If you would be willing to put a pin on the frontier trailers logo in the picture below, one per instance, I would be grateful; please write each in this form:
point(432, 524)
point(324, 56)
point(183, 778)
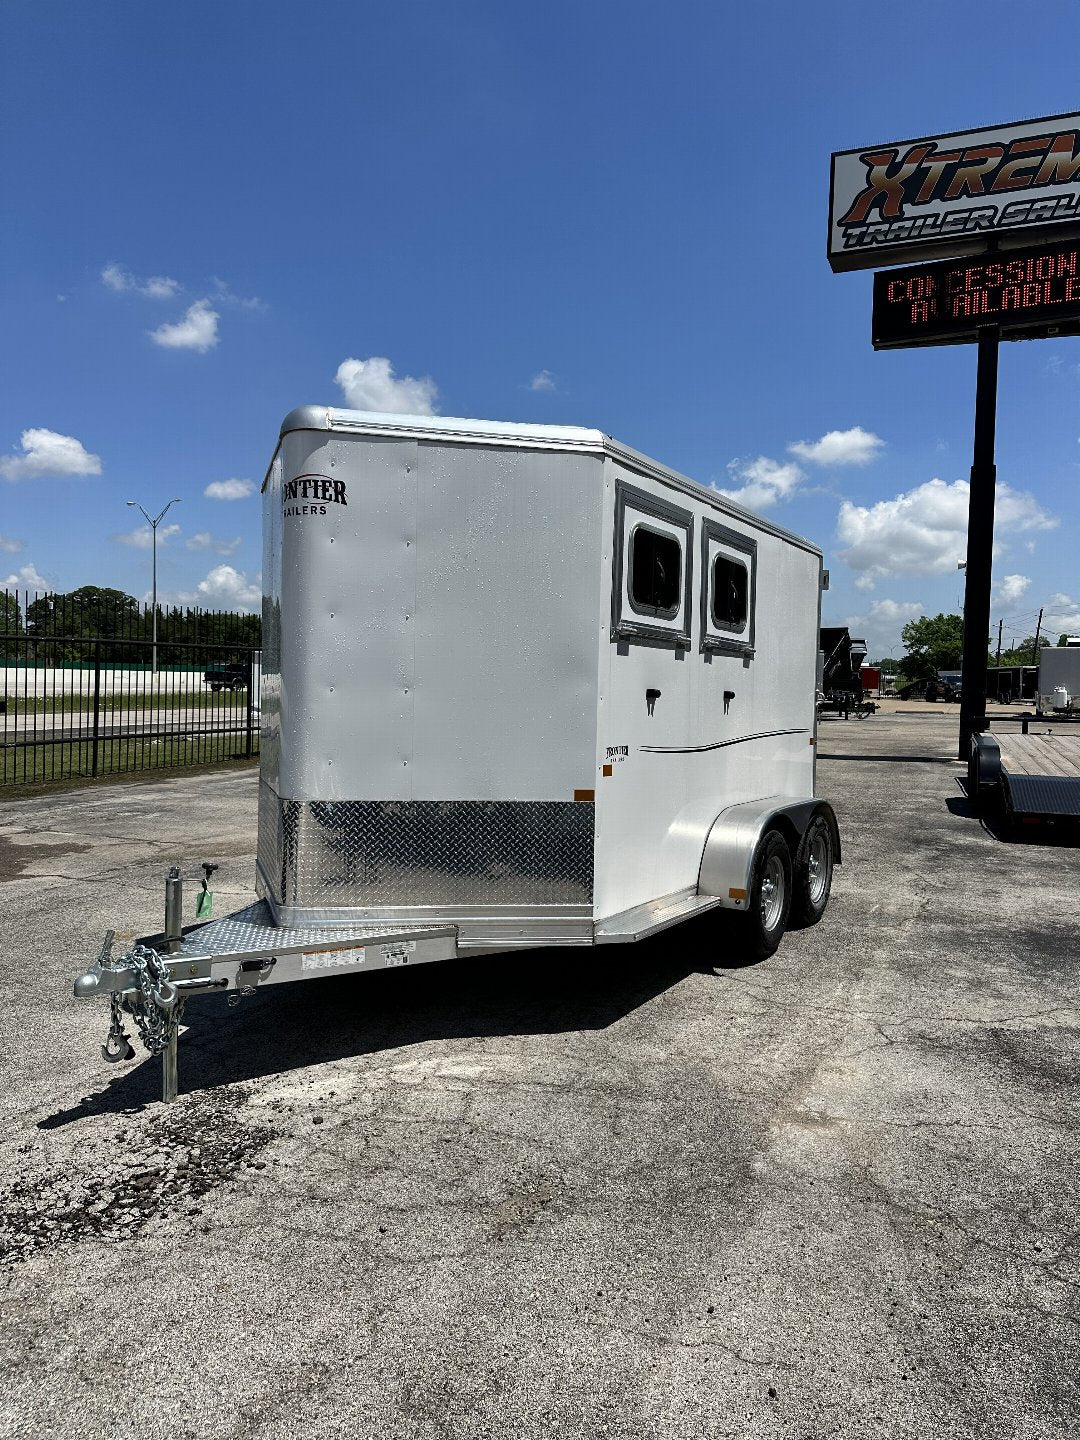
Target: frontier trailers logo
point(949, 195)
point(310, 494)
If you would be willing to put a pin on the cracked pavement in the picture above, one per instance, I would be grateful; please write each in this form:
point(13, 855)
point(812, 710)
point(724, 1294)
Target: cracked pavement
point(634, 1192)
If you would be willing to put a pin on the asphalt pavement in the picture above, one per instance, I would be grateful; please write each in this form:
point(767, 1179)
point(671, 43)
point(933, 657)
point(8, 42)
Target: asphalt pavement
point(639, 1192)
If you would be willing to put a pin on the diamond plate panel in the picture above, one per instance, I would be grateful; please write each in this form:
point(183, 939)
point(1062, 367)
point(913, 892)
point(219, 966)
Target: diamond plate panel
point(1045, 794)
point(432, 853)
point(269, 853)
point(252, 931)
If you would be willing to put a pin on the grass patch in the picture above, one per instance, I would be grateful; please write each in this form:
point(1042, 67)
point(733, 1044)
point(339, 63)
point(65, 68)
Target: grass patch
point(78, 702)
point(62, 760)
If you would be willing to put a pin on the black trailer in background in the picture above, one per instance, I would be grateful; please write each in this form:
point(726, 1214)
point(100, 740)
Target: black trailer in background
point(841, 657)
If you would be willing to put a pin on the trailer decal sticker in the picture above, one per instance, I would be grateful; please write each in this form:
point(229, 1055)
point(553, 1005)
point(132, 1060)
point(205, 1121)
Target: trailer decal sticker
point(332, 959)
point(616, 754)
point(718, 744)
point(312, 486)
point(398, 953)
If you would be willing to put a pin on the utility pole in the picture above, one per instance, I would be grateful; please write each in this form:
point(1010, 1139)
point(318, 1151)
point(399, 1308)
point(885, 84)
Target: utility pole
point(153, 545)
point(980, 545)
point(1035, 647)
point(997, 657)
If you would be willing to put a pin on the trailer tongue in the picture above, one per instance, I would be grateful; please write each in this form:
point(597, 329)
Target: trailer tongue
point(240, 953)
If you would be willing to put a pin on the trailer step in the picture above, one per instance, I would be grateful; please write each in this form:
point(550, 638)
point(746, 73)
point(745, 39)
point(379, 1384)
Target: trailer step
point(645, 920)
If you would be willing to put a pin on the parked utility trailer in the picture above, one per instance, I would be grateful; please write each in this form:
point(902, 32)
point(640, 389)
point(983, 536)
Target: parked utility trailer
point(521, 687)
point(1026, 777)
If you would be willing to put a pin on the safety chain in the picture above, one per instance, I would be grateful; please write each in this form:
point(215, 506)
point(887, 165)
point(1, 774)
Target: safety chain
point(156, 1010)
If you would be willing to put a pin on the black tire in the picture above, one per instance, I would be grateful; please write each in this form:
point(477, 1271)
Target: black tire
point(762, 924)
point(813, 873)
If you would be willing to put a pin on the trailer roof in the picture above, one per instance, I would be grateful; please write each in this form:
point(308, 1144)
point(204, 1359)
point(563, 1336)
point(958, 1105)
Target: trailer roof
point(575, 438)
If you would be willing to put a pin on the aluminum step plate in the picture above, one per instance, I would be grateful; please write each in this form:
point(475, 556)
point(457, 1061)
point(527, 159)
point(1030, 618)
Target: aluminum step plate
point(251, 932)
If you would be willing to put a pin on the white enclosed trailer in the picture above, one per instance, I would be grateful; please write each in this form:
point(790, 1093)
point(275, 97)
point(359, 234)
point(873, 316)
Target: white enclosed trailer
point(521, 686)
point(1058, 688)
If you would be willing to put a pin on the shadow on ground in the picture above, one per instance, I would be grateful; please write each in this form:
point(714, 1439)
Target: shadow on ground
point(288, 1027)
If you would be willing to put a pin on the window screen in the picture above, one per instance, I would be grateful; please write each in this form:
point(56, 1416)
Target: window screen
point(655, 572)
point(729, 593)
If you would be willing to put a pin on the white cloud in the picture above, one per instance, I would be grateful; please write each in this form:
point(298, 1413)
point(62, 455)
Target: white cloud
point(840, 447)
point(372, 385)
point(1061, 614)
point(542, 380)
point(865, 582)
point(156, 287)
point(1011, 588)
point(47, 453)
point(924, 531)
point(196, 331)
point(10, 546)
point(205, 541)
point(224, 293)
point(25, 578)
point(880, 626)
point(764, 482)
point(230, 489)
point(225, 589)
point(142, 538)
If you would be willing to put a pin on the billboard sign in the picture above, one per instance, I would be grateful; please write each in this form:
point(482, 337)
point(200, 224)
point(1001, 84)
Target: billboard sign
point(1027, 294)
point(950, 194)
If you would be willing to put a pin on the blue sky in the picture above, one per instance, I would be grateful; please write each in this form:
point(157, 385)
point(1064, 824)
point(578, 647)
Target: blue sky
point(584, 213)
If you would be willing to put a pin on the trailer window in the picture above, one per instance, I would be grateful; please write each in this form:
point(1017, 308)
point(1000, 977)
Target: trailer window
point(655, 572)
point(730, 593)
point(729, 562)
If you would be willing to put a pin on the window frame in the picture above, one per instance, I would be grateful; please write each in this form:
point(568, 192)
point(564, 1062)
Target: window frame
point(629, 622)
point(717, 638)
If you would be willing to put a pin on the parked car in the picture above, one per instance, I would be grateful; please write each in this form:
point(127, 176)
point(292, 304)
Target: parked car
point(941, 690)
point(235, 675)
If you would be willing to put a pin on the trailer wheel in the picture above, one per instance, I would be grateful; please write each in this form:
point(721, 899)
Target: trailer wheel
point(763, 922)
point(813, 873)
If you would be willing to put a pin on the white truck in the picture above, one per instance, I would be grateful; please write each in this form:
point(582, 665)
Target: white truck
point(521, 687)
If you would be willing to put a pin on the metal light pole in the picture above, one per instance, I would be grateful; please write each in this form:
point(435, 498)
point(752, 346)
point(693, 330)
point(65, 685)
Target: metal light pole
point(153, 544)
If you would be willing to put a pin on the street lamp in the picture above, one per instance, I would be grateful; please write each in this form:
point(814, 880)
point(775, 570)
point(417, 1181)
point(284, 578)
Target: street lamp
point(153, 543)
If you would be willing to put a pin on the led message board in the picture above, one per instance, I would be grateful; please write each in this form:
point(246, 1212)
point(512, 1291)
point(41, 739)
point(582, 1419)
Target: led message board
point(949, 194)
point(1028, 294)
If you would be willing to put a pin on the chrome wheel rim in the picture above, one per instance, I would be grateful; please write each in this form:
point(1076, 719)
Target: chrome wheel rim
point(772, 893)
point(817, 866)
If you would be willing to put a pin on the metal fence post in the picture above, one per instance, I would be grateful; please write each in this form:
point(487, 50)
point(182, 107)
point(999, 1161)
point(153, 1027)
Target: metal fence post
point(97, 706)
point(247, 706)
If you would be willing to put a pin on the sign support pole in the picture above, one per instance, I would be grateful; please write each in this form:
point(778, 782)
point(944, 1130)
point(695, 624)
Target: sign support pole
point(980, 545)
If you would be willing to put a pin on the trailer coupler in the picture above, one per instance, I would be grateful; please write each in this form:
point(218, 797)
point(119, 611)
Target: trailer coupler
point(138, 986)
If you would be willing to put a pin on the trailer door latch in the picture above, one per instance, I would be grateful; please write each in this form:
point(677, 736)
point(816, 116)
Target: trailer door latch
point(651, 697)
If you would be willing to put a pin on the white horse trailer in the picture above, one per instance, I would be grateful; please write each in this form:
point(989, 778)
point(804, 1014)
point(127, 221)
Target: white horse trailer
point(521, 687)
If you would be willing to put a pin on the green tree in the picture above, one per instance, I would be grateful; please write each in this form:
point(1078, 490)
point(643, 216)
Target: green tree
point(11, 625)
point(933, 643)
point(77, 618)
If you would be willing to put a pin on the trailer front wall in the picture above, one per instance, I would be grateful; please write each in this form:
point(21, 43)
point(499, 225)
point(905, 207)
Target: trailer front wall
point(438, 680)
